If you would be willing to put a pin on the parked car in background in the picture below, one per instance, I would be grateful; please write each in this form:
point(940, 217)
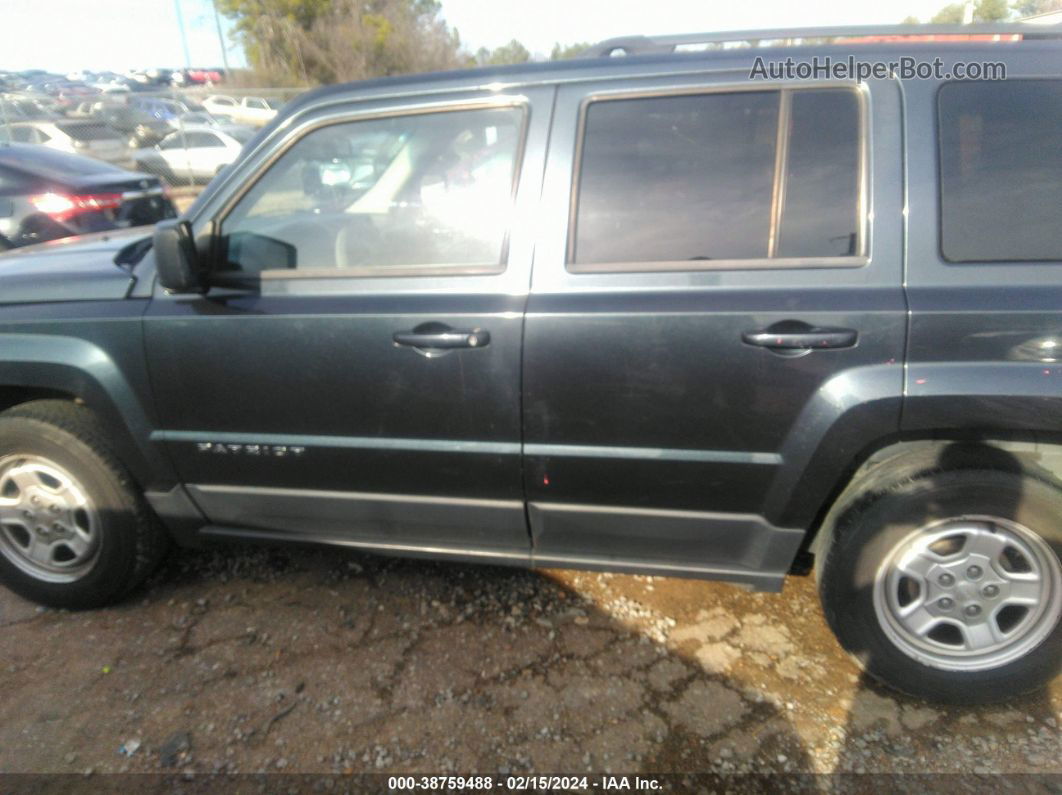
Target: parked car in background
point(201, 118)
point(69, 95)
point(256, 111)
point(17, 107)
point(152, 78)
point(79, 137)
point(198, 152)
point(83, 110)
point(46, 195)
point(161, 109)
point(197, 77)
point(140, 128)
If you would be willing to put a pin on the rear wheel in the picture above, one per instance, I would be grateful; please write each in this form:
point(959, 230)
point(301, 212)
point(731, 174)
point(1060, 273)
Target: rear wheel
point(949, 587)
point(74, 532)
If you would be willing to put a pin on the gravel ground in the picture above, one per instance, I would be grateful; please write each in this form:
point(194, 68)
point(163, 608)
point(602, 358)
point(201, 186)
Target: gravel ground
point(326, 661)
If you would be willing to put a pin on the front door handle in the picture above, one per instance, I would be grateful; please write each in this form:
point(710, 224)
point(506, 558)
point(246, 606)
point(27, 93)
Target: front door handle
point(442, 339)
point(798, 336)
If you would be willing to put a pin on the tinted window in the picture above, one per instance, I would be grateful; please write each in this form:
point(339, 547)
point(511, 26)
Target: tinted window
point(1001, 170)
point(820, 203)
point(693, 178)
point(677, 178)
point(418, 190)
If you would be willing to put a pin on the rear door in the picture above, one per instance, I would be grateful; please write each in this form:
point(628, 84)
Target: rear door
point(714, 227)
point(359, 381)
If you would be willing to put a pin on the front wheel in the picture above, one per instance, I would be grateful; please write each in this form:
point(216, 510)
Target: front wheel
point(74, 532)
point(949, 587)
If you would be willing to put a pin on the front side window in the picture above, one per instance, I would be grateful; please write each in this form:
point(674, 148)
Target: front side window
point(1000, 170)
point(688, 179)
point(430, 190)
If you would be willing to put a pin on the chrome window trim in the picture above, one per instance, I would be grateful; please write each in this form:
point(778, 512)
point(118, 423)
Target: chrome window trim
point(860, 259)
point(298, 132)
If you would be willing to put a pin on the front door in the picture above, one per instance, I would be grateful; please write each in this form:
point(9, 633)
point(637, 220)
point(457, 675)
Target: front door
point(358, 379)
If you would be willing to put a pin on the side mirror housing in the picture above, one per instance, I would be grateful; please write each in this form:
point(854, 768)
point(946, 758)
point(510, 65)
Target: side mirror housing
point(176, 258)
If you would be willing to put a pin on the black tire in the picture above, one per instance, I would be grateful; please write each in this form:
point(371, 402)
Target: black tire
point(131, 541)
point(864, 538)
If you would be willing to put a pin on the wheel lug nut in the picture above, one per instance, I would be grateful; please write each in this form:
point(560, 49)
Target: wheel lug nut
point(35, 500)
point(972, 610)
point(990, 591)
point(945, 603)
point(974, 572)
point(53, 508)
point(946, 580)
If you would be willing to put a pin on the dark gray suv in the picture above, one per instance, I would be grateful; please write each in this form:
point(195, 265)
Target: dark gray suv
point(646, 313)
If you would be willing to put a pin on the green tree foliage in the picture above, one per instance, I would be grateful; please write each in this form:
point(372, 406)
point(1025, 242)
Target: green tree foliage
point(983, 11)
point(513, 52)
point(949, 15)
point(991, 11)
point(1030, 8)
point(327, 41)
point(561, 51)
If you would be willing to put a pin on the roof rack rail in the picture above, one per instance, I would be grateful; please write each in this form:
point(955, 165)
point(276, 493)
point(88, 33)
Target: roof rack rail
point(647, 45)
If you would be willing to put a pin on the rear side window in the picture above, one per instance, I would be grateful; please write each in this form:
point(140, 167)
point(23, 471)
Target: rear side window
point(675, 182)
point(1000, 170)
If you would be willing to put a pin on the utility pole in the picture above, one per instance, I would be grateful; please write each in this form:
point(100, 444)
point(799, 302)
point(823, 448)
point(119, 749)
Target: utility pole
point(221, 38)
point(184, 36)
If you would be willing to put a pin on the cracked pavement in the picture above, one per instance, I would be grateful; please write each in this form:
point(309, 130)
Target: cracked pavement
point(328, 661)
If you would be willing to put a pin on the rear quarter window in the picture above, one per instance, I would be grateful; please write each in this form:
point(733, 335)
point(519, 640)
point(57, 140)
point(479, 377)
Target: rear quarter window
point(1000, 170)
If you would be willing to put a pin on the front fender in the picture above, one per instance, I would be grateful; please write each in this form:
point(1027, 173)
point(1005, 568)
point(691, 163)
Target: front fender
point(84, 370)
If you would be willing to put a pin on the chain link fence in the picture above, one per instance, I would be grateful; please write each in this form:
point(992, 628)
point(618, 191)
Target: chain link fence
point(185, 136)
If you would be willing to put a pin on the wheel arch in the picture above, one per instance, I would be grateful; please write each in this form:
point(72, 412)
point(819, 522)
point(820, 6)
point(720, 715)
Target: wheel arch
point(45, 366)
point(897, 459)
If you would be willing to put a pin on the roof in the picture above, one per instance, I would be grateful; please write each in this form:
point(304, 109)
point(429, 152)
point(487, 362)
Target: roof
point(711, 48)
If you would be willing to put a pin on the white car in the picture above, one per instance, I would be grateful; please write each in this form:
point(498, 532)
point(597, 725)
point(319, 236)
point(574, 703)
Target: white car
point(89, 138)
point(197, 152)
point(246, 110)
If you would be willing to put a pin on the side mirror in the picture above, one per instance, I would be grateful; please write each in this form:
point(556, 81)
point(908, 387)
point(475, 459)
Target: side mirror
point(176, 258)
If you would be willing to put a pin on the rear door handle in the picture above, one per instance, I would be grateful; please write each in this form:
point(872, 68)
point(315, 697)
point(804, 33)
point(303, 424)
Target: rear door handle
point(807, 338)
point(443, 340)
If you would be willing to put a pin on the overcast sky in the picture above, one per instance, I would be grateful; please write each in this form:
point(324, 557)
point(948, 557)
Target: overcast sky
point(63, 35)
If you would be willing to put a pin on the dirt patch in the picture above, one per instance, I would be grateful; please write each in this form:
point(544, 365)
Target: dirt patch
point(257, 660)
